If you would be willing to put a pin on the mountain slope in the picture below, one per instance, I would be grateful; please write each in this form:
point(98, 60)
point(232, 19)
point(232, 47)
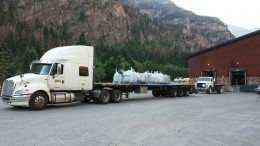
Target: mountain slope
point(208, 31)
point(110, 26)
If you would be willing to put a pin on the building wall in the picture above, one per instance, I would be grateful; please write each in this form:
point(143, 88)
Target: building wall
point(244, 53)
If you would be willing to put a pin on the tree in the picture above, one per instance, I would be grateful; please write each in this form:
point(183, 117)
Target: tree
point(99, 72)
point(29, 56)
point(114, 63)
point(82, 40)
point(5, 64)
point(82, 16)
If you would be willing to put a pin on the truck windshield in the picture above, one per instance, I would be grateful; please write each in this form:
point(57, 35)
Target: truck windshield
point(40, 69)
point(204, 79)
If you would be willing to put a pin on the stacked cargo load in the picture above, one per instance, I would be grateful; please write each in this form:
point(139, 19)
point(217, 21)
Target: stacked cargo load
point(130, 76)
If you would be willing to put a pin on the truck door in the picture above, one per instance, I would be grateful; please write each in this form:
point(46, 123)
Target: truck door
point(56, 78)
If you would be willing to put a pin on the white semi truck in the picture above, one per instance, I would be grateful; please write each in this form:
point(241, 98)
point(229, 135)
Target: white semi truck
point(65, 74)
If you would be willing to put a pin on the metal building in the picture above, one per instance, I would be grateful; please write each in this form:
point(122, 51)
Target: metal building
point(235, 63)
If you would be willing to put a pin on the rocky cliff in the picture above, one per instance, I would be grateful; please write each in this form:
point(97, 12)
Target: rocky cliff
point(200, 31)
point(139, 29)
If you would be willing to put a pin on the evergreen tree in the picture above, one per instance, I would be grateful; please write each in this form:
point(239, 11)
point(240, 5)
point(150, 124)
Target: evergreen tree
point(5, 64)
point(29, 56)
point(82, 39)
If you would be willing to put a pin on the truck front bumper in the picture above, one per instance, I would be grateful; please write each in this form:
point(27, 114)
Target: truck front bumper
point(201, 89)
point(21, 100)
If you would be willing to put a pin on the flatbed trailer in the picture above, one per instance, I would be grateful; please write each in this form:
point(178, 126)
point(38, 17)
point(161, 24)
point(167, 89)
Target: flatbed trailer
point(112, 92)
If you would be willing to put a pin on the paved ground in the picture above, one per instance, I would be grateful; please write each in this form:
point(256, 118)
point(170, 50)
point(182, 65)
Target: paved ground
point(226, 119)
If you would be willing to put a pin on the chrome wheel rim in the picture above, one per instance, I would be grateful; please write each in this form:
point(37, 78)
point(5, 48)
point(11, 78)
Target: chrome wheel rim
point(39, 101)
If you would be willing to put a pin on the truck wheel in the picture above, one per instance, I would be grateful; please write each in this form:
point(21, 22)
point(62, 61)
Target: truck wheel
point(191, 91)
point(116, 96)
point(186, 93)
point(172, 93)
point(104, 97)
point(38, 101)
point(180, 93)
point(209, 91)
point(156, 93)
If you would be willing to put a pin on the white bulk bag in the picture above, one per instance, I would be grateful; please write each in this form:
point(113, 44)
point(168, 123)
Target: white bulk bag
point(117, 78)
point(130, 76)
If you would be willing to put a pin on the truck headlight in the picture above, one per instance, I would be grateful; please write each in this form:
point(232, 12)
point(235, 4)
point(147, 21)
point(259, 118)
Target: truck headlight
point(22, 91)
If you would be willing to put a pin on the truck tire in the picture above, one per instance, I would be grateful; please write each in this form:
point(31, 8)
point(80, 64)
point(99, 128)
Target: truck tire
point(116, 96)
point(156, 93)
point(191, 90)
point(38, 101)
point(209, 91)
point(180, 93)
point(172, 93)
point(186, 93)
point(104, 97)
point(163, 93)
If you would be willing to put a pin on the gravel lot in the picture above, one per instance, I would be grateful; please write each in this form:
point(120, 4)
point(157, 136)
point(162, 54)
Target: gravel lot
point(200, 119)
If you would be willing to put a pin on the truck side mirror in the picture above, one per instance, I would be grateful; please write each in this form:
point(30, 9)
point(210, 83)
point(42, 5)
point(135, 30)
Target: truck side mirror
point(196, 79)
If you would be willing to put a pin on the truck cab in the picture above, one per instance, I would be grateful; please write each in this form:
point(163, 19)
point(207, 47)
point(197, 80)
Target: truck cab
point(63, 74)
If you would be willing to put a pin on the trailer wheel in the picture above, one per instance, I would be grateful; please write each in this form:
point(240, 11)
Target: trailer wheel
point(191, 90)
point(163, 93)
point(104, 97)
point(156, 93)
point(186, 93)
point(116, 96)
point(173, 93)
point(38, 101)
point(180, 93)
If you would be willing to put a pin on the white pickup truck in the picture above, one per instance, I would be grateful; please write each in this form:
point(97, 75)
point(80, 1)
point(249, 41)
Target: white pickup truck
point(208, 84)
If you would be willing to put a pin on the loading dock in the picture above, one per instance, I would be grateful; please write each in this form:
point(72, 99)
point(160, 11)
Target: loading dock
point(238, 76)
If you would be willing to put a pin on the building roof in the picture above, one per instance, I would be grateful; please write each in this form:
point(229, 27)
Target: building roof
point(225, 43)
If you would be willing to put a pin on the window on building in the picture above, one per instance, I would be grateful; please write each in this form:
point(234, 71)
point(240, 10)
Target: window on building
point(83, 71)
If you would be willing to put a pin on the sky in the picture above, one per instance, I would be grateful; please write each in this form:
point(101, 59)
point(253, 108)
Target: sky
point(241, 13)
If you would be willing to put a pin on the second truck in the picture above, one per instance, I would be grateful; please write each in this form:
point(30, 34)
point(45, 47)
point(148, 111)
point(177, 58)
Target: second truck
point(208, 85)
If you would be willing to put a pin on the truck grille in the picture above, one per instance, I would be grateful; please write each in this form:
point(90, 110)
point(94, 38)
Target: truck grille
point(200, 85)
point(8, 88)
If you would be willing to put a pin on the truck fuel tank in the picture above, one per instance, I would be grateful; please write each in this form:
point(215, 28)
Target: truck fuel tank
point(62, 97)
